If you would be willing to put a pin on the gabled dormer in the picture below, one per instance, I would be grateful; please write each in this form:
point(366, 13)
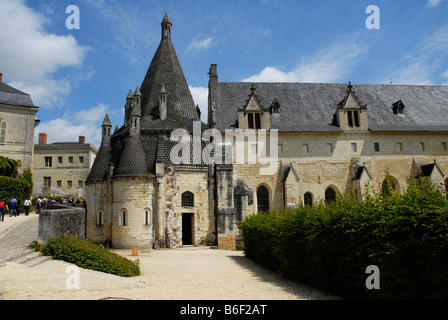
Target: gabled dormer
point(351, 114)
point(253, 115)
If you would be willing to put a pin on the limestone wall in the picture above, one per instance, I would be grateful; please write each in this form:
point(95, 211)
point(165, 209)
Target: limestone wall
point(61, 220)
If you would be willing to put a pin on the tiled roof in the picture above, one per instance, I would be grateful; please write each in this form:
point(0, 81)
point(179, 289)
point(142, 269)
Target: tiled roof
point(13, 97)
point(309, 107)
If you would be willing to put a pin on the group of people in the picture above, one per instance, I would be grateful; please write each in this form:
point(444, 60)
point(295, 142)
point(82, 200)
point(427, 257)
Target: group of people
point(14, 207)
point(42, 203)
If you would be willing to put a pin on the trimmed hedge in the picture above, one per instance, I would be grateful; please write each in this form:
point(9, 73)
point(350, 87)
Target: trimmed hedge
point(85, 254)
point(18, 188)
point(330, 245)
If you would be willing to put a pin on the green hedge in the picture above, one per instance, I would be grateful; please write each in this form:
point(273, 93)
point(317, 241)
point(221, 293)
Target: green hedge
point(17, 188)
point(86, 254)
point(330, 246)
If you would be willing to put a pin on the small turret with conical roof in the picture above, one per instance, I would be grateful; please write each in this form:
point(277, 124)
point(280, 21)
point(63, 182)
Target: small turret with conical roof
point(106, 128)
point(166, 27)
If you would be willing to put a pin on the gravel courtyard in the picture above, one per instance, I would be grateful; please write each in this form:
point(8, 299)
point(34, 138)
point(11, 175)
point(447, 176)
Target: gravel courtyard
point(186, 273)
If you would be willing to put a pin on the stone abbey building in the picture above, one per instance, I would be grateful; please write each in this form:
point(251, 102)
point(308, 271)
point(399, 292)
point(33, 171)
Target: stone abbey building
point(321, 139)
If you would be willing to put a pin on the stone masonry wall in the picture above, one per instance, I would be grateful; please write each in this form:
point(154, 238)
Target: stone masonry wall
point(61, 221)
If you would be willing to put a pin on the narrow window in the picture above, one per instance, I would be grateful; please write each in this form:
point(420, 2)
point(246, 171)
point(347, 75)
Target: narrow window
point(350, 118)
point(444, 146)
point(70, 160)
point(253, 148)
point(399, 147)
point(81, 160)
point(354, 147)
point(146, 218)
point(330, 147)
point(257, 121)
point(60, 160)
point(376, 146)
point(69, 183)
point(80, 183)
point(250, 120)
point(280, 149)
point(356, 118)
point(2, 132)
point(123, 218)
point(422, 146)
point(305, 148)
point(59, 183)
point(99, 220)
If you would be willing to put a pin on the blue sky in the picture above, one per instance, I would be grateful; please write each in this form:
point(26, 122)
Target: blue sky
point(76, 76)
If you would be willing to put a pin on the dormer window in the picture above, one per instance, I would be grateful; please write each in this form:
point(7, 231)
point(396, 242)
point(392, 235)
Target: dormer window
point(350, 113)
point(254, 121)
point(253, 115)
point(275, 107)
point(398, 107)
point(353, 118)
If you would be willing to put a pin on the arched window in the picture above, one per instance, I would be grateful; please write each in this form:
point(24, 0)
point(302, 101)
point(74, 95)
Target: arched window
point(330, 195)
point(308, 199)
point(263, 199)
point(387, 186)
point(187, 199)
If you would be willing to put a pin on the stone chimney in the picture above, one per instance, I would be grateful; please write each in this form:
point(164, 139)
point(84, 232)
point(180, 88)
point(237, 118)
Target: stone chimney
point(42, 138)
point(1, 77)
point(82, 140)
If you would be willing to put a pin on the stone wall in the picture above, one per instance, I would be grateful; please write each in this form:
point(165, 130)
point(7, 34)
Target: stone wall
point(61, 220)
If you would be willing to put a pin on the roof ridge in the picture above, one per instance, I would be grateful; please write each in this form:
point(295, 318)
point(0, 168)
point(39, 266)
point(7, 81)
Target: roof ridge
point(336, 83)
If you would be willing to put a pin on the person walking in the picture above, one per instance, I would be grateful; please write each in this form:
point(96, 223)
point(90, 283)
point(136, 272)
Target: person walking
point(26, 206)
point(13, 207)
point(38, 205)
point(3, 208)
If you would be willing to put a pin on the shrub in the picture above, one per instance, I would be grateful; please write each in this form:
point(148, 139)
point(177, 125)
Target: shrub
point(330, 246)
point(18, 188)
point(85, 254)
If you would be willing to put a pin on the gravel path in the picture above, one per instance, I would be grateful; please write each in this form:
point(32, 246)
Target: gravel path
point(187, 273)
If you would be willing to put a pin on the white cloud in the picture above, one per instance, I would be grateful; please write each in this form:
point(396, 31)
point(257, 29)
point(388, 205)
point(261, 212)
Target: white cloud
point(326, 65)
point(200, 97)
point(32, 56)
point(422, 64)
point(434, 3)
point(200, 44)
point(69, 127)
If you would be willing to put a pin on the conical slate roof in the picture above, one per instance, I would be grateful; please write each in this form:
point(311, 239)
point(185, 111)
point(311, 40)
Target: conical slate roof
point(133, 159)
point(165, 70)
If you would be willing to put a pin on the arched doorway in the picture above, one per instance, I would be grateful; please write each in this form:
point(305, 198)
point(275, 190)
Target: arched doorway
point(263, 199)
point(330, 195)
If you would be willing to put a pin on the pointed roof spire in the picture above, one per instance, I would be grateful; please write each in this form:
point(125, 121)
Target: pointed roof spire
point(137, 92)
point(166, 19)
point(130, 95)
point(106, 122)
point(166, 27)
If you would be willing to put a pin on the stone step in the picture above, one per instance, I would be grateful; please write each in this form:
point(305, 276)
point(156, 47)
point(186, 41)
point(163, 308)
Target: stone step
point(32, 262)
point(30, 258)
